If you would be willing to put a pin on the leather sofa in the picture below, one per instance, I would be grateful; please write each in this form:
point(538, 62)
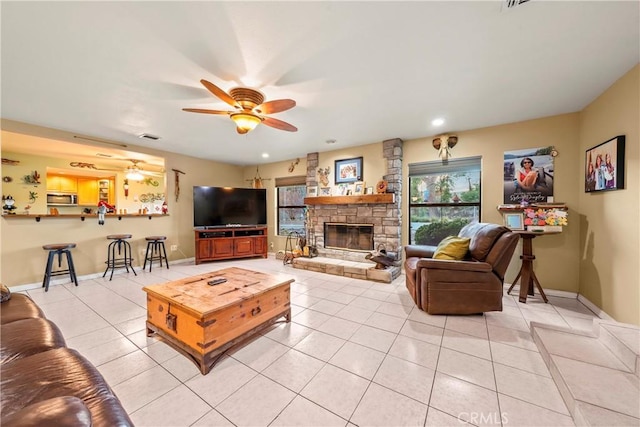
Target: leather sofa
point(43, 382)
point(469, 286)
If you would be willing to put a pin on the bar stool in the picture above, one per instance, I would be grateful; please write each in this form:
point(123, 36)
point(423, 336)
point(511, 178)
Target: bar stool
point(59, 249)
point(123, 260)
point(155, 251)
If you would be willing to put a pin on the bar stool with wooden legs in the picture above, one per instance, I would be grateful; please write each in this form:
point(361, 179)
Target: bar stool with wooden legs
point(155, 251)
point(59, 249)
point(123, 258)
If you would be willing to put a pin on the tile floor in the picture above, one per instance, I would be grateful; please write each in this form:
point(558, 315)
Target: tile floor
point(356, 353)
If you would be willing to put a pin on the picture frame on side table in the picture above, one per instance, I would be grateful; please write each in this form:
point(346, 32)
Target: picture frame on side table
point(348, 170)
point(514, 221)
point(312, 191)
point(325, 191)
point(604, 166)
point(359, 187)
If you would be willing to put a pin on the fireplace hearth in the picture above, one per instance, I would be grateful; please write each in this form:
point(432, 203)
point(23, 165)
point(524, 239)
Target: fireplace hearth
point(350, 237)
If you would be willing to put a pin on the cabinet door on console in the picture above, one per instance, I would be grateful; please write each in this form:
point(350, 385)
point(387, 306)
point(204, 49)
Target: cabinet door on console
point(222, 247)
point(205, 249)
point(260, 245)
point(244, 246)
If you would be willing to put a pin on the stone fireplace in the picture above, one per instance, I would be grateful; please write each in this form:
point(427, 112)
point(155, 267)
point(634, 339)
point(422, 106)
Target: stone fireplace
point(350, 237)
point(383, 217)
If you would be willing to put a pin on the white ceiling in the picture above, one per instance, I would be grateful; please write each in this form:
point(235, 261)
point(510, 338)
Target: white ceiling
point(361, 72)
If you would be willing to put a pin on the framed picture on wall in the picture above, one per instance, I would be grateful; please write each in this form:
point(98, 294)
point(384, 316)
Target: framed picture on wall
point(604, 166)
point(348, 170)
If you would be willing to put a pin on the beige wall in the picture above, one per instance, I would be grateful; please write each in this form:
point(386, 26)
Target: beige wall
point(609, 235)
point(560, 131)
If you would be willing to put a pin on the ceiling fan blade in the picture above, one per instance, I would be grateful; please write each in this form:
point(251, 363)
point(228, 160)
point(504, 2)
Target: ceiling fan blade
point(220, 93)
point(279, 124)
point(200, 110)
point(275, 106)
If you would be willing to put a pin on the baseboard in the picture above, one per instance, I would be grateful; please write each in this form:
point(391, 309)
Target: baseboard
point(597, 310)
point(55, 282)
point(551, 292)
point(565, 294)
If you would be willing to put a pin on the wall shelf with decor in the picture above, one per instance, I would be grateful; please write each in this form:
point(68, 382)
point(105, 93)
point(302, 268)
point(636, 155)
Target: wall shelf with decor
point(82, 217)
point(536, 217)
point(355, 199)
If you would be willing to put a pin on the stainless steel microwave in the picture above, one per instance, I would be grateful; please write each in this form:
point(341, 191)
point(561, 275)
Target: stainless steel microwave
point(62, 199)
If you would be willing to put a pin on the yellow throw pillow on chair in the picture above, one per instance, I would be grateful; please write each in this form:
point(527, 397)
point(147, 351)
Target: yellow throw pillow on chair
point(452, 248)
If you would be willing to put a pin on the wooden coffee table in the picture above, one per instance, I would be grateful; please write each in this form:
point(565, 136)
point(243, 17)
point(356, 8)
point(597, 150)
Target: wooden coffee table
point(202, 321)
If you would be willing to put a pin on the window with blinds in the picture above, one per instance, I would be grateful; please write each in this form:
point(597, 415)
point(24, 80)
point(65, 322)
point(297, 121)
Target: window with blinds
point(291, 208)
point(443, 198)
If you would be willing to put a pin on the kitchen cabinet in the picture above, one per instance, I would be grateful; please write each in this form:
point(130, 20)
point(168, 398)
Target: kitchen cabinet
point(88, 191)
point(61, 184)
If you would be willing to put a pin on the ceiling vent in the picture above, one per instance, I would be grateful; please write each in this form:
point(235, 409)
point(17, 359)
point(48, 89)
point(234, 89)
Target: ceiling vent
point(513, 3)
point(149, 136)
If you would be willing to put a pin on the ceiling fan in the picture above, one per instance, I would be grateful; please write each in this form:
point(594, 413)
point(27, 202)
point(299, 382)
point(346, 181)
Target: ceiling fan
point(133, 171)
point(250, 108)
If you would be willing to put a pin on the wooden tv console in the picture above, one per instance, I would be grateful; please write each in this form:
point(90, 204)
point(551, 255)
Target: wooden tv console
point(230, 242)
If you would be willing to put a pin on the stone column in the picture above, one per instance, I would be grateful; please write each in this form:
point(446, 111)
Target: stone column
point(312, 167)
point(392, 224)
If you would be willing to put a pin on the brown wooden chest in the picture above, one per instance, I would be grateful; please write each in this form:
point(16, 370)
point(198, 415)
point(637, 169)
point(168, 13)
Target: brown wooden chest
point(202, 321)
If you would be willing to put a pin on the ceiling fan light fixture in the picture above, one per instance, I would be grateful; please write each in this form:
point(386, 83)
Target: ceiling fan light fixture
point(245, 122)
point(133, 173)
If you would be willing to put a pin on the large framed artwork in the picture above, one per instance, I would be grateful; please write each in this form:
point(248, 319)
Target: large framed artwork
point(528, 175)
point(604, 166)
point(348, 170)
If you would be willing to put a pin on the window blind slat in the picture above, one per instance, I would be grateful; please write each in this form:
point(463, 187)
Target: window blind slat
point(453, 165)
point(291, 180)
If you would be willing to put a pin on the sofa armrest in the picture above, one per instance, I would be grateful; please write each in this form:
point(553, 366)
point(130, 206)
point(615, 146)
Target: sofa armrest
point(58, 411)
point(419, 251)
point(444, 264)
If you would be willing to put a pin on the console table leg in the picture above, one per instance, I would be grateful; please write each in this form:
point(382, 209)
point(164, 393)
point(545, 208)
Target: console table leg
point(514, 281)
point(539, 286)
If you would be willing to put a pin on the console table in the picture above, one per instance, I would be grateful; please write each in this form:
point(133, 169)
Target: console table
point(526, 274)
point(230, 242)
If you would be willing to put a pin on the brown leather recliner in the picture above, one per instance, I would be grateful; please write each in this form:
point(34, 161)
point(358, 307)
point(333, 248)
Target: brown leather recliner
point(473, 285)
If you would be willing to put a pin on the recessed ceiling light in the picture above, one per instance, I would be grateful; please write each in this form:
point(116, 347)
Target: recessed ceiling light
point(265, 155)
point(330, 141)
point(437, 122)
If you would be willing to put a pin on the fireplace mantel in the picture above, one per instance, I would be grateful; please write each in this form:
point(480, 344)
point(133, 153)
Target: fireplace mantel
point(355, 200)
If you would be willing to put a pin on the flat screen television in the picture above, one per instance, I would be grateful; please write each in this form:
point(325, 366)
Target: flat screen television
point(225, 206)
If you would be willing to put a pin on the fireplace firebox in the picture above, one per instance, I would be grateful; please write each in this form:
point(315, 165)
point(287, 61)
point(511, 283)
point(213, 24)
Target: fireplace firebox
point(351, 237)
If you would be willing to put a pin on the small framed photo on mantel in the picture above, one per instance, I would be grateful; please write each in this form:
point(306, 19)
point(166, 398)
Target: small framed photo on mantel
point(325, 191)
point(359, 188)
point(312, 191)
